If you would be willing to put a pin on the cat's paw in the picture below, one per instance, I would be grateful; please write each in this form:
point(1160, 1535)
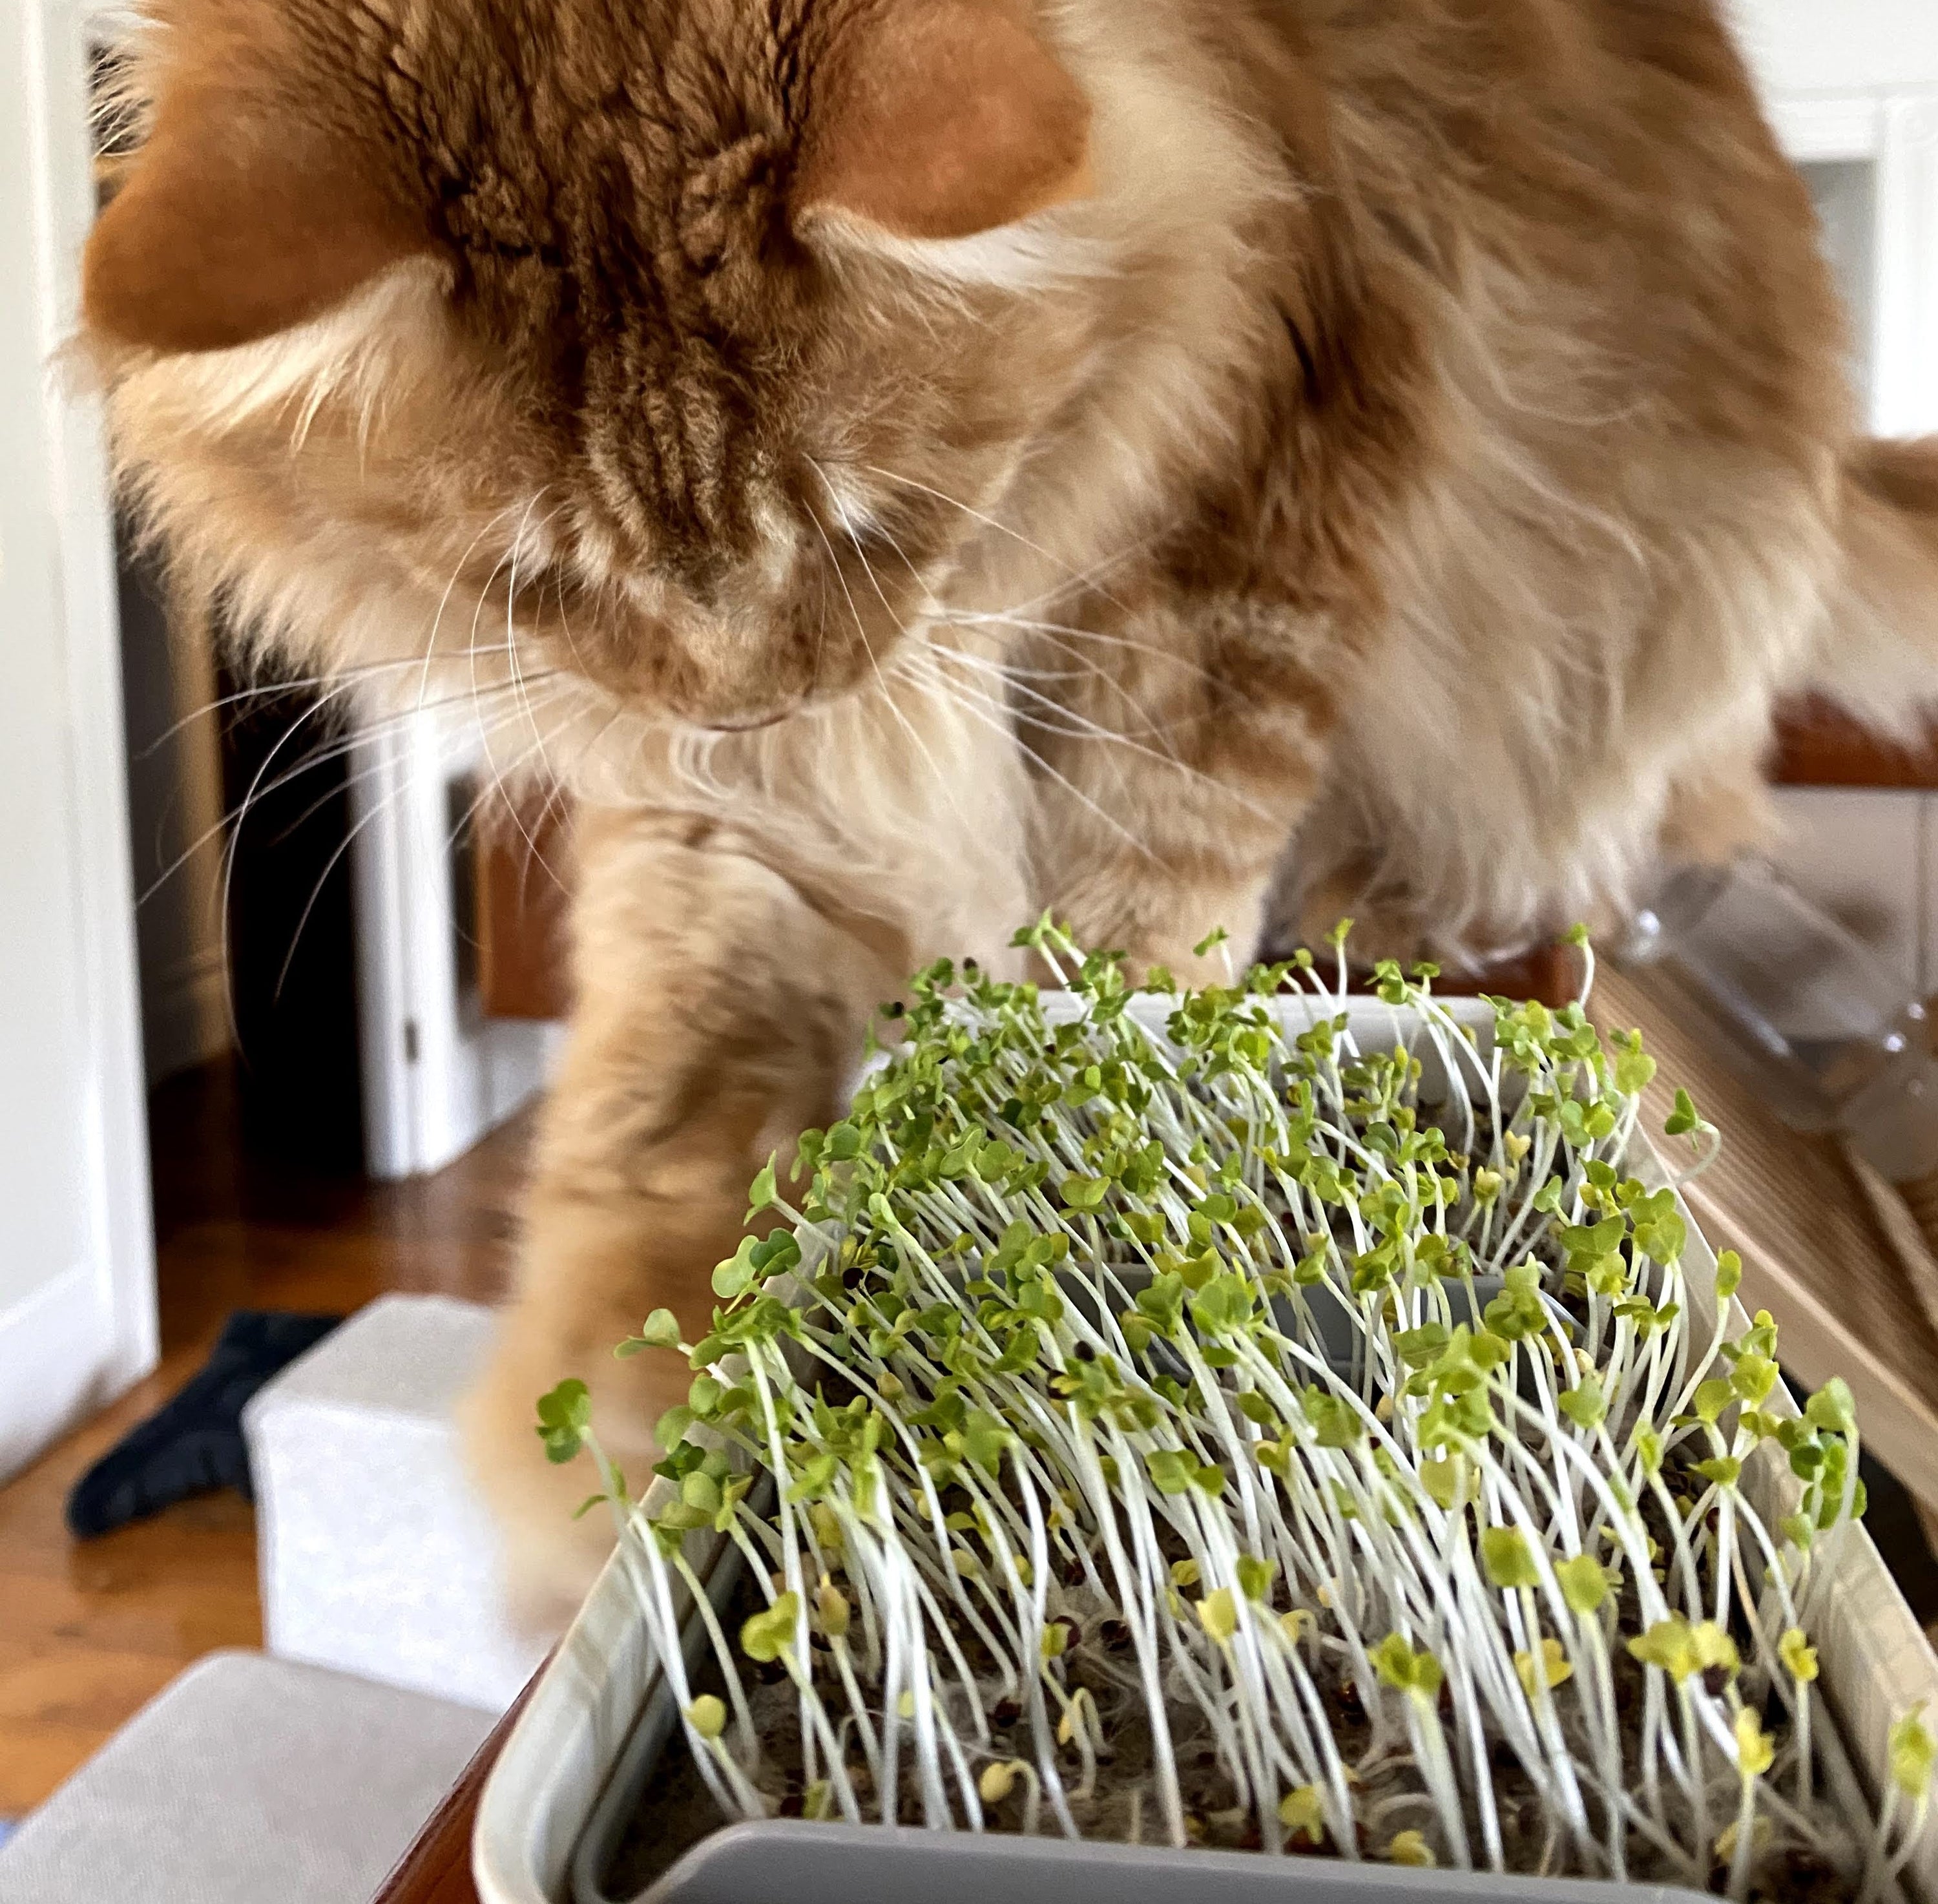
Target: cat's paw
point(1384, 925)
point(587, 1286)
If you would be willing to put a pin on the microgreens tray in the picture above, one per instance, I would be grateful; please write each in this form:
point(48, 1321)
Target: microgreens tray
point(1547, 1672)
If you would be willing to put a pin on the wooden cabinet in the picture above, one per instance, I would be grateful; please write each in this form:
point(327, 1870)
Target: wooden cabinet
point(1817, 746)
point(520, 887)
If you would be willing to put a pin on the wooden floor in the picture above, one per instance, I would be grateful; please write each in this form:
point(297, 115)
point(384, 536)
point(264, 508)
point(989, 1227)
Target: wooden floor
point(88, 1631)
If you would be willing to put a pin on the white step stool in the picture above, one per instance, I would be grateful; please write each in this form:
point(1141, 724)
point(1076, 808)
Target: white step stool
point(247, 1780)
point(377, 1555)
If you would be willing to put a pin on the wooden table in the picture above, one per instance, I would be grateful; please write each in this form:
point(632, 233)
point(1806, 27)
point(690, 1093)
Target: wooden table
point(436, 1869)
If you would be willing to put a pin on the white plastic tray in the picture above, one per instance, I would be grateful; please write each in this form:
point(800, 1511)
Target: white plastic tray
point(1876, 1662)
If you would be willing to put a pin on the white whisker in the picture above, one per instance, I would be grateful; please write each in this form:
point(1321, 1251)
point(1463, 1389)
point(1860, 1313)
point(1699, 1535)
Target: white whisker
point(321, 756)
point(976, 705)
point(979, 515)
point(443, 601)
point(887, 695)
point(351, 674)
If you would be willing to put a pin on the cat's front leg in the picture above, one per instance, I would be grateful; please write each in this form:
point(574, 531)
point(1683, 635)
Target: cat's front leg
point(1165, 805)
point(1162, 912)
point(719, 1014)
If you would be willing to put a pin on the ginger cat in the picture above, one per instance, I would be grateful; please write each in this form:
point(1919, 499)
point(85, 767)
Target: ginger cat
point(905, 464)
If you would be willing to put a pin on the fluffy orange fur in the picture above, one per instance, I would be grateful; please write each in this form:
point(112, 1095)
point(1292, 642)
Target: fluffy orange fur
point(904, 463)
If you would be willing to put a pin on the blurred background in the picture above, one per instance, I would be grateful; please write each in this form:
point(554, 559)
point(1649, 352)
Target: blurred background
point(275, 996)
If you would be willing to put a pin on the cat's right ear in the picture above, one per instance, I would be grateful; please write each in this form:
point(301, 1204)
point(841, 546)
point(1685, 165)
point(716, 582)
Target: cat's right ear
point(229, 229)
point(936, 125)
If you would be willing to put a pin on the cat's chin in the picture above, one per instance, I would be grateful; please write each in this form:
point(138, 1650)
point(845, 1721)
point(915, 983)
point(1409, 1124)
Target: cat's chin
point(747, 723)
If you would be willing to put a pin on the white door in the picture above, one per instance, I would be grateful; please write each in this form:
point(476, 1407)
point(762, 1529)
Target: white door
point(437, 1074)
point(77, 1279)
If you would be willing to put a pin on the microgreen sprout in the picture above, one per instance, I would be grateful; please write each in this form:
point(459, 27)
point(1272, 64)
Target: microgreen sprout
point(1237, 1417)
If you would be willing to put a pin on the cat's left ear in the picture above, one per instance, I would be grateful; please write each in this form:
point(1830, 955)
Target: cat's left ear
point(938, 120)
point(235, 224)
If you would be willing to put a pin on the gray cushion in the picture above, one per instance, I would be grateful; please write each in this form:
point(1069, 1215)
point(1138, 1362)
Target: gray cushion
point(248, 1781)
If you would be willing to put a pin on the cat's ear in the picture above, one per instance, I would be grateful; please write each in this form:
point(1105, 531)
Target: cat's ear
point(228, 229)
point(937, 120)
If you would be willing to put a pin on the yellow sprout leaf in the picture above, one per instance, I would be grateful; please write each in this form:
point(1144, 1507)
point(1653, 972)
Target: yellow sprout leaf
point(767, 1636)
point(1669, 1645)
point(707, 1716)
point(1411, 1848)
point(1911, 1753)
point(1583, 1583)
point(1184, 1573)
point(1798, 1655)
point(1506, 1559)
point(999, 1780)
point(905, 1706)
point(1301, 1811)
point(1400, 1667)
point(1755, 1748)
point(1725, 1844)
point(1444, 1483)
point(832, 1605)
point(1728, 1274)
point(1713, 1648)
point(1218, 1614)
point(1556, 1669)
point(1296, 1624)
point(1073, 1716)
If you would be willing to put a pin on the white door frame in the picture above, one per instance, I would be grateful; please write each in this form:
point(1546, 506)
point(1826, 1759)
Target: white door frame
point(91, 1332)
point(1893, 130)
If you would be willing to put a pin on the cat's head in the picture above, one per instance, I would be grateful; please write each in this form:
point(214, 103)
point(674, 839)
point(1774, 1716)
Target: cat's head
point(689, 335)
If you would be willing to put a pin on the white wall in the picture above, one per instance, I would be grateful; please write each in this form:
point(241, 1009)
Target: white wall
point(77, 1282)
point(1836, 46)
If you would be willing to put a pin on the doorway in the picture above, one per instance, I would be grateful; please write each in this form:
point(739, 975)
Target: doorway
point(239, 827)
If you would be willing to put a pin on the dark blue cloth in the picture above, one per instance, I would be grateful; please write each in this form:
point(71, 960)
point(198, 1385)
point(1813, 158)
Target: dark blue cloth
point(193, 1444)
